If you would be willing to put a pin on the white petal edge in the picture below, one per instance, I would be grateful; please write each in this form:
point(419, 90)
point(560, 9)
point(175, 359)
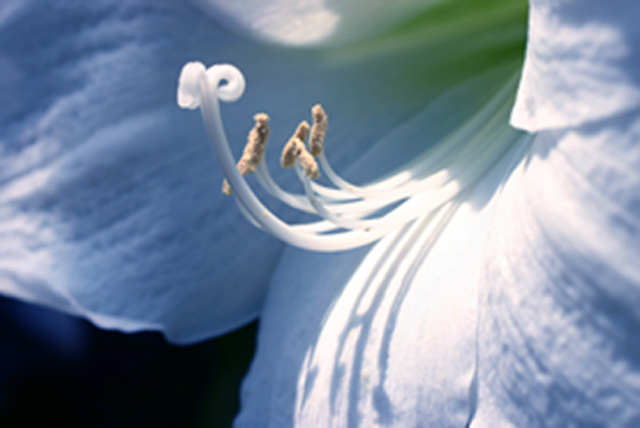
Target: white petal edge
point(109, 202)
point(581, 64)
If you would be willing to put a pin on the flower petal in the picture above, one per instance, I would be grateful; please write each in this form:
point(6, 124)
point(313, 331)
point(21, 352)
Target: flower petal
point(380, 336)
point(559, 342)
point(582, 63)
point(109, 201)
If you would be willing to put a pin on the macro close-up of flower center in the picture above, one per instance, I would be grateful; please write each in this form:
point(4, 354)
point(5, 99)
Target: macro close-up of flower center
point(428, 208)
point(429, 187)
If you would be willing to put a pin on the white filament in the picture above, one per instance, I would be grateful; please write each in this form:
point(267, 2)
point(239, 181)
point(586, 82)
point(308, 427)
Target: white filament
point(352, 216)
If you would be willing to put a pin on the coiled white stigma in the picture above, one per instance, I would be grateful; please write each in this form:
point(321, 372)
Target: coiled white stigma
point(350, 215)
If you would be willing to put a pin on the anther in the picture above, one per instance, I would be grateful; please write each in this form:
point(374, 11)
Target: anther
point(254, 150)
point(292, 148)
point(318, 130)
point(308, 163)
point(295, 150)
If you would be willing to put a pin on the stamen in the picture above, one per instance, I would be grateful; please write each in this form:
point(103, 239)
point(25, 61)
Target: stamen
point(307, 162)
point(295, 150)
point(253, 151)
point(318, 130)
point(351, 216)
point(289, 152)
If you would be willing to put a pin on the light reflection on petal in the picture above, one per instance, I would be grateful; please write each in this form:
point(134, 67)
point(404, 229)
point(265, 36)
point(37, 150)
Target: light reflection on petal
point(582, 63)
point(313, 22)
point(559, 337)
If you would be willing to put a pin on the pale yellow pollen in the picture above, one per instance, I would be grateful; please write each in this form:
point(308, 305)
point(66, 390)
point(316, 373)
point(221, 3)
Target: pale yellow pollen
point(295, 150)
point(318, 130)
point(253, 151)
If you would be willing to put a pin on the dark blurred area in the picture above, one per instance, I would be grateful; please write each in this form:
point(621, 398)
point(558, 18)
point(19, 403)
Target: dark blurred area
point(57, 370)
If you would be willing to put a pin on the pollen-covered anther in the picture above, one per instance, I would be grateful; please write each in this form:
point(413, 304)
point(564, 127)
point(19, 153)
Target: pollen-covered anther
point(296, 150)
point(254, 150)
point(308, 163)
point(292, 149)
point(318, 130)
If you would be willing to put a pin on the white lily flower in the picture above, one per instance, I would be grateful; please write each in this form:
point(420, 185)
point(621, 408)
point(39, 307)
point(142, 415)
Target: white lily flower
point(513, 307)
point(513, 302)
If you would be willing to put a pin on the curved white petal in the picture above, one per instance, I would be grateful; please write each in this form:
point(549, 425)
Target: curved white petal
point(311, 22)
point(109, 202)
point(582, 63)
point(559, 338)
point(381, 336)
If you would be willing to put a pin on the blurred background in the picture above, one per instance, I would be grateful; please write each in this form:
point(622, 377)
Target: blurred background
point(58, 369)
